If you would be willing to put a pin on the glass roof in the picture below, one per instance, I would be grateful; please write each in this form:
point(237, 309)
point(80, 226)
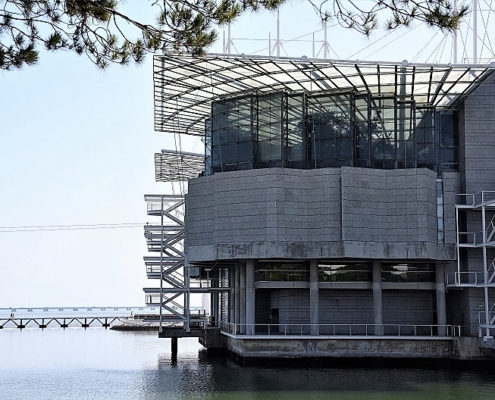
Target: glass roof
point(173, 166)
point(185, 86)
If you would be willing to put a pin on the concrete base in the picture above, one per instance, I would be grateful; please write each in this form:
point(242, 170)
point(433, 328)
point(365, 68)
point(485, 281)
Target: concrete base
point(213, 339)
point(180, 333)
point(466, 348)
point(473, 348)
point(358, 347)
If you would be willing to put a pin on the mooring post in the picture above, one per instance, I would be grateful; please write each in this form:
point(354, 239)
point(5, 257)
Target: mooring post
point(174, 348)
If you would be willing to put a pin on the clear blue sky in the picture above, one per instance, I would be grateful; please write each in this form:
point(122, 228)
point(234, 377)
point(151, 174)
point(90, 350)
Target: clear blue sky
point(77, 145)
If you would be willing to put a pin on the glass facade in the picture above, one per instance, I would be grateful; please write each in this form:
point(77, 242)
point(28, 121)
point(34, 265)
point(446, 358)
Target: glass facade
point(351, 272)
point(282, 272)
point(419, 272)
point(330, 129)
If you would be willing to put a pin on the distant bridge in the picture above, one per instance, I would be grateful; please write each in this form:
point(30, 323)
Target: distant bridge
point(64, 317)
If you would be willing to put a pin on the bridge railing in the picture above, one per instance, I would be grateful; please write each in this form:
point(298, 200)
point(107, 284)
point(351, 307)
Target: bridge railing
point(46, 312)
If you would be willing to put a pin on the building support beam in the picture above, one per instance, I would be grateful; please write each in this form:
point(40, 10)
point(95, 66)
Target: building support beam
point(377, 298)
point(313, 297)
point(231, 294)
point(237, 293)
point(250, 298)
point(242, 298)
point(215, 304)
point(441, 304)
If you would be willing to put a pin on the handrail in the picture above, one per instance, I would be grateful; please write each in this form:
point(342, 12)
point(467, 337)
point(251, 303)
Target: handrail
point(462, 278)
point(488, 197)
point(470, 238)
point(464, 199)
point(490, 229)
point(77, 311)
point(341, 330)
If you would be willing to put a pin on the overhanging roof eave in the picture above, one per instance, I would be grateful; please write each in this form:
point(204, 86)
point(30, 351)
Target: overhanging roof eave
point(185, 86)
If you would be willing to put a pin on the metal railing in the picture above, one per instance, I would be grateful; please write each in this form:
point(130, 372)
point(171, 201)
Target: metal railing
point(463, 278)
point(464, 200)
point(490, 230)
point(486, 198)
point(79, 312)
point(470, 238)
point(372, 330)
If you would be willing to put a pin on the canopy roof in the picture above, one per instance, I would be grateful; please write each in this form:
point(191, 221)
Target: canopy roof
point(186, 86)
point(173, 166)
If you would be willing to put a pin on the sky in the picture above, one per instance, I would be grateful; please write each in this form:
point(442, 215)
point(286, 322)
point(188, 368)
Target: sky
point(77, 146)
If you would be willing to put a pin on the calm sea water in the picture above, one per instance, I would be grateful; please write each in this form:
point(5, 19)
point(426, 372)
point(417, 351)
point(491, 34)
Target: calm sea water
point(100, 364)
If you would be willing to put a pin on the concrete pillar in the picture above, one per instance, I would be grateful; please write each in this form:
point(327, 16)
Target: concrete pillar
point(441, 305)
point(242, 298)
point(174, 346)
point(250, 298)
point(237, 293)
point(214, 308)
point(313, 297)
point(215, 303)
point(231, 294)
point(377, 298)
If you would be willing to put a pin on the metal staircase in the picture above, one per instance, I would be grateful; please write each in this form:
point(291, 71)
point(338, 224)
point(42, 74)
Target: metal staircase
point(484, 205)
point(167, 238)
point(177, 280)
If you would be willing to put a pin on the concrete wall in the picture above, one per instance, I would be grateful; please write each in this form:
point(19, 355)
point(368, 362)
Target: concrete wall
point(328, 213)
point(389, 206)
point(408, 307)
point(477, 139)
point(293, 305)
point(328, 347)
point(477, 166)
point(346, 306)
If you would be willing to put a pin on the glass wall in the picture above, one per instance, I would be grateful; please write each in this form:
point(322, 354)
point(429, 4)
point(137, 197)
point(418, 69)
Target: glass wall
point(420, 272)
point(345, 272)
point(281, 272)
point(232, 134)
point(329, 130)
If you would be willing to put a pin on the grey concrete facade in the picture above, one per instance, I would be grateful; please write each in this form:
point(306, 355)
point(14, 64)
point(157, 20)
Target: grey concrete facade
point(328, 213)
point(239, 219)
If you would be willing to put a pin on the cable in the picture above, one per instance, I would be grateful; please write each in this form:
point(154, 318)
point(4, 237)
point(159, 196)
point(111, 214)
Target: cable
point(47, 228)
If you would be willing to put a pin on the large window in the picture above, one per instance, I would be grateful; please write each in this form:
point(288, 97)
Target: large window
point(449, 141)
point(270, 128)
point(232, 134)
point(329, 130)
point(296, 143)
point(344, 272)
point(282, 272)
point(421, 272)
point(330, 118)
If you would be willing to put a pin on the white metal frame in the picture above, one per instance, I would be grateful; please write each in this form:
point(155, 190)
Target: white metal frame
point(483, 202)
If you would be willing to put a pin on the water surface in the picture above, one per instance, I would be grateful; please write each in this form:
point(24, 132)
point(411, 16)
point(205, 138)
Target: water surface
point(96, 363)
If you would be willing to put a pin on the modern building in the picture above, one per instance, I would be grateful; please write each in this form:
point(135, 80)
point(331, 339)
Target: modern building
point(341, 204)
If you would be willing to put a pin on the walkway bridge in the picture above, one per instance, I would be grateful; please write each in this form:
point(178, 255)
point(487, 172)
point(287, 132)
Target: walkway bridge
point(84, 317)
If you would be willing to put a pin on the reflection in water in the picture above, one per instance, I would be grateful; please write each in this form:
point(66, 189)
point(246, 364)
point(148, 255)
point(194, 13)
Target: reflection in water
point(95, 363)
